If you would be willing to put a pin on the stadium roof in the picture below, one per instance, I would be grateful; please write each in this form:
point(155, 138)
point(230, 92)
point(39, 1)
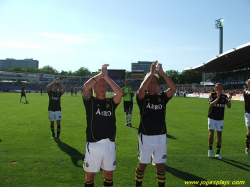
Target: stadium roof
point(237, 58)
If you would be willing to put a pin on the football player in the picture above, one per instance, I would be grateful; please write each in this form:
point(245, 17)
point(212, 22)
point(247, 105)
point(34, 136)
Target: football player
point(152, 130)
point(100, 149)
point(246, 95)
point(217, 102)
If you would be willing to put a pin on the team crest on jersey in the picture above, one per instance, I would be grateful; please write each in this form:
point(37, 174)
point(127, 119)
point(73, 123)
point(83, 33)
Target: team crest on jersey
point(107, 105)
point(159, 99)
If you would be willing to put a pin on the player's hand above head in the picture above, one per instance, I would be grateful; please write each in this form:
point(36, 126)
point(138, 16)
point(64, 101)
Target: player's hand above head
point(104, 71)
point(153, 67)
point(159, 68)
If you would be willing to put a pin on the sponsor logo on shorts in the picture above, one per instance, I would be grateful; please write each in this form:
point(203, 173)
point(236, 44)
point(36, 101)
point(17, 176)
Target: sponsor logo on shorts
point(221, 127)
point(114, 163)
point(164, 156)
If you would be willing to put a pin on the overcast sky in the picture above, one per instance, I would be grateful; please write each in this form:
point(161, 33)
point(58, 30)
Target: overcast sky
point(69, 34)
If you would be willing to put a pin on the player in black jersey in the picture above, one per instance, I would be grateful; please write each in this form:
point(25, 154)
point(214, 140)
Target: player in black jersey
point(23, 94)
point(246, 95)
point(55, 105)
point(217, 102)
point(152, 130)
point(100, 148)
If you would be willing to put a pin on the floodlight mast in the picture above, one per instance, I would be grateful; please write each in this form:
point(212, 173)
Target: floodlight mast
point(219, 25)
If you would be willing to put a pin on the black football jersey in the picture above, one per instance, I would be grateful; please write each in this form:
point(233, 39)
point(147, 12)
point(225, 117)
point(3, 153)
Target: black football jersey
point(247, 101)
point(217, 112)
point(54, 100)
point(101, 121)
point(153, 112)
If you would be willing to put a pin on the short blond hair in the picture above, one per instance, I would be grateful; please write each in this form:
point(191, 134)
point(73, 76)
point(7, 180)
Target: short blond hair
point(155, 75)
point(248, 80)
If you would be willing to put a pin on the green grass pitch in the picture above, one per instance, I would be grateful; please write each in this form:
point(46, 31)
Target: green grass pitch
point(30, 157)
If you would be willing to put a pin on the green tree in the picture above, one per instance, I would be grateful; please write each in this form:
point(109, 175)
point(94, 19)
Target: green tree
point(174, 75)
point(64, 73)
point(189, 77)
point(32, 69)
point(17, 68)
point(82, 72)
point(49, 70)
point(70, 73)
point(128, 74)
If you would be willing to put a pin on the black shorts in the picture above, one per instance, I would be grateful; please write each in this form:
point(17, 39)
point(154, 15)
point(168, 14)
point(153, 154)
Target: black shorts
point(128, 106)
point(23, 94)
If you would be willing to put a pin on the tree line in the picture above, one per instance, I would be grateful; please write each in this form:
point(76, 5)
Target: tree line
point(184, 77)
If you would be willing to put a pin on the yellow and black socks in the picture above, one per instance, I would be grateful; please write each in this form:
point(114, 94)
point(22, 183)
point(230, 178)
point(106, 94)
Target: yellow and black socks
point(107, 182)
point(247, 141)
point(218, 149)
point(89, 184)
point(139, 177)
point(161, 178)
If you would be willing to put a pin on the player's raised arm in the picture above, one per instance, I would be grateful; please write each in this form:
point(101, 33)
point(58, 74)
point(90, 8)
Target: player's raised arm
point(172, 87)
point(62, 86)
point(213, 103)
point(90, 83)
point(49, 85)
point(146, 81)
point(229, 101)
point(118, 92)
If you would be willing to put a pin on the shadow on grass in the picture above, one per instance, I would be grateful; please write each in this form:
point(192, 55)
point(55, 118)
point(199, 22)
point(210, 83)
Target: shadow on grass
point(74, 154)
point(188, 177)
point(171, 137)
point(134, 127)
point(237, 164)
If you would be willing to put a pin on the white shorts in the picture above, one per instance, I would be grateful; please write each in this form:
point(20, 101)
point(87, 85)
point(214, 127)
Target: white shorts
point(100, 154)
point(247, 119)
point(55, 115)
point(154, 147)
point(215, 124)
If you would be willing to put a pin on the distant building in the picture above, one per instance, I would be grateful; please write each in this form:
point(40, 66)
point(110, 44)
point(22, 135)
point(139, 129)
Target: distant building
point(141, 65)
point(25, 63)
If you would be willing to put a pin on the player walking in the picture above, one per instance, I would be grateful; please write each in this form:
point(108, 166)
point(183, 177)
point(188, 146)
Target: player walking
point(100, 149)
point(246, 94)
point(217, 102)
point(152, 130)
point(23, 94)
point(128, 95)
point(55, 105)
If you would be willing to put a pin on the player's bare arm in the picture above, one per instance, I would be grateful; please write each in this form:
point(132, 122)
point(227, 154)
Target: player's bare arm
point(229, 102)
point(172, 87)
point(145, 83)
point(49, 85)
point(212, 104)
point(62, 86)
point(91, 82)
point(118, 92)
